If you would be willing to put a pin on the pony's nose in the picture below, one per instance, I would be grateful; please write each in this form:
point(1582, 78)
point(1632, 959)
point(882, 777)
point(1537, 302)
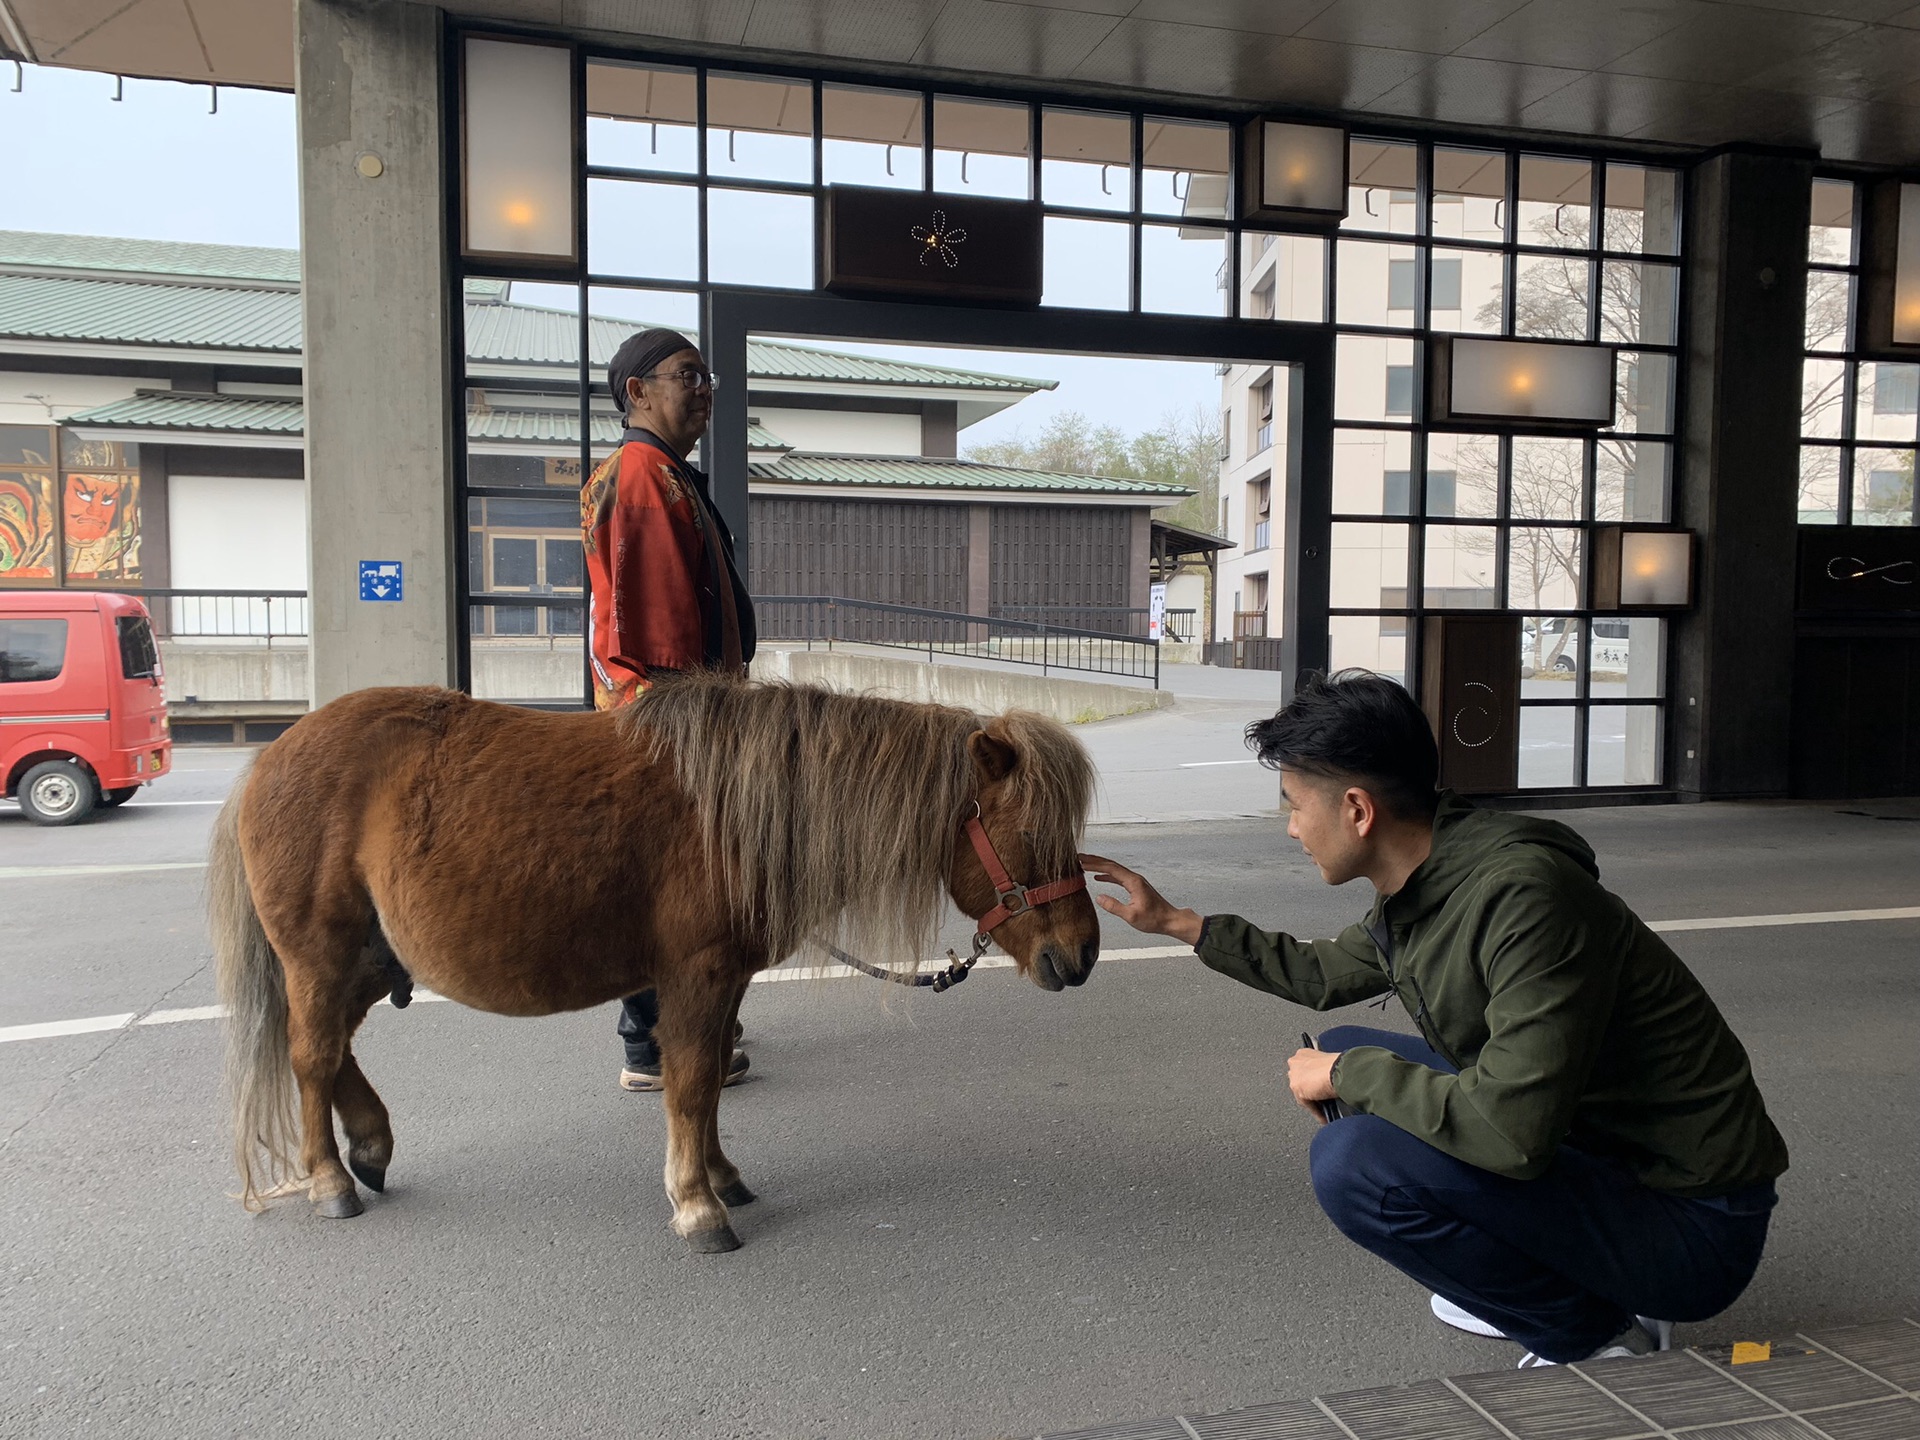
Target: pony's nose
point(1089, 953)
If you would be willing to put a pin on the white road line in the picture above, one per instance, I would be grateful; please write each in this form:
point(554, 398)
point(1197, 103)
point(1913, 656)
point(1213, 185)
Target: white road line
point(54, 872)
point(1204, 764)
point(49, 1029)
point(156, 804)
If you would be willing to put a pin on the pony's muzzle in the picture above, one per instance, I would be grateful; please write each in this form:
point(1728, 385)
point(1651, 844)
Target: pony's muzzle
point(1054, 970)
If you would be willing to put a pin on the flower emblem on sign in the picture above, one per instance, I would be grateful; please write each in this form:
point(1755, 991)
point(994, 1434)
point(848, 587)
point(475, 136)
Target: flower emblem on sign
point(937, 239)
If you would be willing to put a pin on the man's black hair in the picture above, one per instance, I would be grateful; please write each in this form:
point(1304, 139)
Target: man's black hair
point(1358, 727)
point(637, 357)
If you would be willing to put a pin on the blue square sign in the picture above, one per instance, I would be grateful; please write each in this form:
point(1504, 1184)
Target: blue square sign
point(379, 579)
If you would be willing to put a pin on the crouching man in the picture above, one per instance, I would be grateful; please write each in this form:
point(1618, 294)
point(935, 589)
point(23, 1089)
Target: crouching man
point(1573, 1145)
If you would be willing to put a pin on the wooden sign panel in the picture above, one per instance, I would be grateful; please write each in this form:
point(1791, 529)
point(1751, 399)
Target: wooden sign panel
point(1470, 690)
point(947, 247)
point(1856, 569)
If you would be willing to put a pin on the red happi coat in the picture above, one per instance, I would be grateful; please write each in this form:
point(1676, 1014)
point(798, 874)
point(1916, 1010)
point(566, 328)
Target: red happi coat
point(663, 592)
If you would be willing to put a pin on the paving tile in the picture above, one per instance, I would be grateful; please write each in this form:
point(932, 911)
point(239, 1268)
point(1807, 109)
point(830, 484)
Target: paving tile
point(1676, 1389)
point(1882, 1420)
point(1167, 1429)
point(1295, 1420)
point(1551, 1404)
point(1891, 1349)
point(1798, 1379)
point(1427, 1411)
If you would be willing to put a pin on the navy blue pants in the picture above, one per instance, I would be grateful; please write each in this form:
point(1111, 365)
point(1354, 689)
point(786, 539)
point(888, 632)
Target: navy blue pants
point(1560, 1264)
point(638, 1015)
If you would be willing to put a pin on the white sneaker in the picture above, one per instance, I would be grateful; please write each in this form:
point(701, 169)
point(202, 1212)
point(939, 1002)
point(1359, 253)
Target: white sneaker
point(1448, 1313)
point(1629, 1343)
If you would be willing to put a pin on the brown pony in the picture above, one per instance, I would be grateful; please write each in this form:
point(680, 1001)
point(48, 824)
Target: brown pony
point(529, 863)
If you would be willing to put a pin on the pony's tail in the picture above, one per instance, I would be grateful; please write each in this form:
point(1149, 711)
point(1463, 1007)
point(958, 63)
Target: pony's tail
point(253, 987)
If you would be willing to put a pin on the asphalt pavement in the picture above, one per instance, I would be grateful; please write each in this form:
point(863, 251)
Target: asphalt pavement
point(989, 1212)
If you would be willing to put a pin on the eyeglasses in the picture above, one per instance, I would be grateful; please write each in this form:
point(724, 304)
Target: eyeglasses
point(690, 378)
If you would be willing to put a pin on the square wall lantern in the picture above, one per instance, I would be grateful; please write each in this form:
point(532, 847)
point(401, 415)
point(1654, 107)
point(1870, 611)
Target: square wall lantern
point(1890, 270)
point(1642, 567)
point(518, 161)
point(1293, 174)
point(1527, 384)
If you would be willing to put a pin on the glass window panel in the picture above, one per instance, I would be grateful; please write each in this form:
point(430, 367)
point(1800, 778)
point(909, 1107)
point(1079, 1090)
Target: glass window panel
point(1548, 759)
point(1627, 657)
point(1469, 291)
point(1624, 744)
point(632, 310)
point(1639, 303)
point(1556, 203)
point(642, 117)
point(1459, 567)
point(1544, 568)
point(1882, 486)
point(1889, 399)
point(565, 563)
point(759, 128)
point(1463, 476)
point(644, 230)
point(1183, 270)
point(1830, 236)
point(1643, 210)
point(1548, 480)
point(1632, 479)
point(1829, 309)
point(758, 237)
point(1820, 484)
point(1370, 642)
point(1283, 277)
point(1371, 472)
point(1645, 384)
point(1373, 377)
point(1084, 264)
point(1369, 566)
point(26, 445)
point(1381, 176)
point(528, 652)
point(982, 147)
point(1549, 656)
point(1184, 167)
point(1086, 159)
point(1469, 194)
point(516, 563)
point(872, 137)
point(1822, 398)
point(1550, 296)
point(1364, 275)
point(544, 454)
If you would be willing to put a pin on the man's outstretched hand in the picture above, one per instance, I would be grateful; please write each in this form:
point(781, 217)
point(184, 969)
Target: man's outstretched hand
point(1310, 1078)
point(1145, 908)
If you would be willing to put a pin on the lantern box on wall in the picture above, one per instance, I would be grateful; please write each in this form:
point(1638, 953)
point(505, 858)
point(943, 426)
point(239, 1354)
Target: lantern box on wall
point(916, 245)
point(1470, 691)
point(519, 155)
point(1642, 567)
point(1890, 270)
point(1527, 384)
point(1293, 174)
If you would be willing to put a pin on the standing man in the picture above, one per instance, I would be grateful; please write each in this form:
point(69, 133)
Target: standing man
point(664, 593)
point(1574, 1141)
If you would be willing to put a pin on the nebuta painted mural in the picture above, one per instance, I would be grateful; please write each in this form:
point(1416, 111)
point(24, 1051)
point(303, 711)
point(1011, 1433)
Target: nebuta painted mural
point(29, 530)
point(99, 511)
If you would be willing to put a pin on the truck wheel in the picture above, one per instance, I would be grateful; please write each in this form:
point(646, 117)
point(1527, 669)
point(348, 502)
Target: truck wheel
point(125, 793)
point(57, 792)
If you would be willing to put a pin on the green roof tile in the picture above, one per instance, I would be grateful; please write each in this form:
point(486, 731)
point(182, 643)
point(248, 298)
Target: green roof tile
point(224, 414)
point(130, 313)
point(148, 257)
point(907, 471)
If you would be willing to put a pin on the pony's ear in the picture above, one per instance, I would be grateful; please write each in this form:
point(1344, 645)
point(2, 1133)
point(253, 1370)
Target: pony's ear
point(991, 754)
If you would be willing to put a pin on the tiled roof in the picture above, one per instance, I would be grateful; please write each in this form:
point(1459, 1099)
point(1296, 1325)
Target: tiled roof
point(907, 471)
point(761, 438)
point(148, 257)
point(42, 307)
point(530, 426)
point(225, 414)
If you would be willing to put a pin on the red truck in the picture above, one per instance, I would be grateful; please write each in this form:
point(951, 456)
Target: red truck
point(83, 718)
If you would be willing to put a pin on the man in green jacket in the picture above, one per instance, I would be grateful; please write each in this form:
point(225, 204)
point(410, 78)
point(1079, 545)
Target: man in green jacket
point(1574, 1141)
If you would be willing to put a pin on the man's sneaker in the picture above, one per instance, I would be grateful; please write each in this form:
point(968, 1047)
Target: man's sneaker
point(647, 1077)
point(1448, 1313)
point(1628, 1343)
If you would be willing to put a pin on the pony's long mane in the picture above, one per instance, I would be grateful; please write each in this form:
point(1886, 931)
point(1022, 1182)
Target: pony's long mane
point(832, 817)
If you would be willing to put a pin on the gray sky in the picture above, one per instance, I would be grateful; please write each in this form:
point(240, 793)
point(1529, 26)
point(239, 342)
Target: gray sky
point(157, 165)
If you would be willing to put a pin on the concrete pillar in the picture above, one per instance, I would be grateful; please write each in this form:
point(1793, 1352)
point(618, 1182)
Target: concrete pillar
point(378, 379)
point(979, 559)
point(1739, 469)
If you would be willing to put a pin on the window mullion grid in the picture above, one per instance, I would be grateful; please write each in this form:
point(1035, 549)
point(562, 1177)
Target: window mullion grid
point(926, 143)
point(1134, 234)
point(702, 139)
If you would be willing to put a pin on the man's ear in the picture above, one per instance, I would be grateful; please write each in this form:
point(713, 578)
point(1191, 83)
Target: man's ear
point(994, 757)
point(633, 394)
point(1367, 812)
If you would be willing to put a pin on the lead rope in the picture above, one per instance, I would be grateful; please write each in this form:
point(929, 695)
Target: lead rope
point(956, 971)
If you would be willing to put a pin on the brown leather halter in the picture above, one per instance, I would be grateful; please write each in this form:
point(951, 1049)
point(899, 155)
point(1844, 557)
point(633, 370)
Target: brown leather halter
point(1011, 899)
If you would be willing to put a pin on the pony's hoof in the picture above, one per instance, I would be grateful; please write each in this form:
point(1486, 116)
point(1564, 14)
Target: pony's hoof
point(713, 1242)
point(736, 1194)
point(343, 1206)
point(374, 1177)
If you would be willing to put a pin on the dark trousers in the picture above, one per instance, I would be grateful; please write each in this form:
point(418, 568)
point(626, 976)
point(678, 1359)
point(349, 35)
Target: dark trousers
point(1560, 1264)
point(638, 1015)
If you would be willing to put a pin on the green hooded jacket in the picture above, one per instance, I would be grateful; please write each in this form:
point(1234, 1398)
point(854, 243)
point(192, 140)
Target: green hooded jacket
point(1570, 1020)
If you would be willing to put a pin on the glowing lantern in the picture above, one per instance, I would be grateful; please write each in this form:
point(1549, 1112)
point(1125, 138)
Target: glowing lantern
point(518, 161)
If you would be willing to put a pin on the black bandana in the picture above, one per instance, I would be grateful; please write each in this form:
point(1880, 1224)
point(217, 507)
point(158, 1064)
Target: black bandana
point(637, 357)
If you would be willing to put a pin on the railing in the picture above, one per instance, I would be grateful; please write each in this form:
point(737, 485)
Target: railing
point(1176, 625)
point(260, 616)
point(1249, 623)
point(828, 619)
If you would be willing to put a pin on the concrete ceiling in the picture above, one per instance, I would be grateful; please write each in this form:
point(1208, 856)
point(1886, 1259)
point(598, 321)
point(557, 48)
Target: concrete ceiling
point(1838, 76)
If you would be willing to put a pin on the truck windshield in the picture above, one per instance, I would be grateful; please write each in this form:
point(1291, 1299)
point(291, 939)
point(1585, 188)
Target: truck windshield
point(139, 658)
point(32, 649)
